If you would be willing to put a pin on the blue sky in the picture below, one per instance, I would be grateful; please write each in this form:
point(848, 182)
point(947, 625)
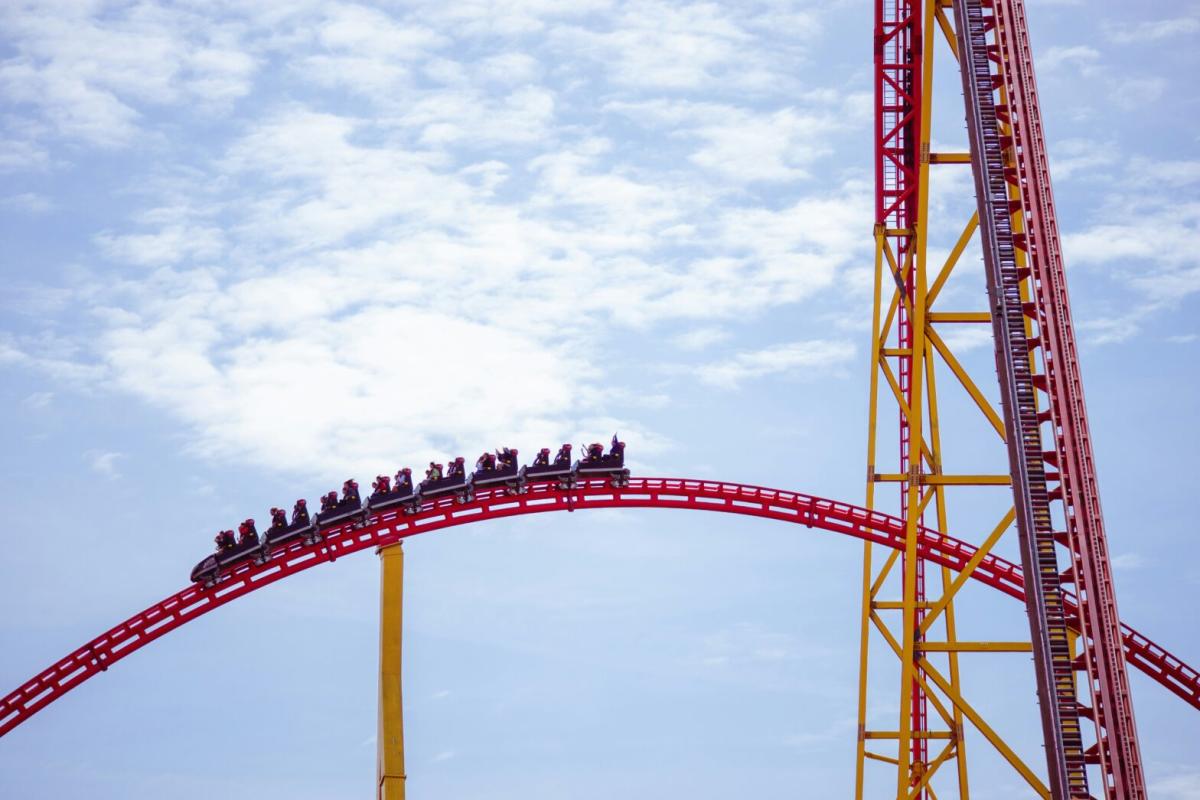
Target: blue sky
point(252, 249)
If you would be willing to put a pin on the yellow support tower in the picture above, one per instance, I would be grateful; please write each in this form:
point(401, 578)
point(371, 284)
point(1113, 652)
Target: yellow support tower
point(390, 742)
point(905, 608)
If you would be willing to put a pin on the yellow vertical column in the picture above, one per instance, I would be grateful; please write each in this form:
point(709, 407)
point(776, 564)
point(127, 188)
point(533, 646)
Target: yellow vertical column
point(915, 423)
point(390, 739)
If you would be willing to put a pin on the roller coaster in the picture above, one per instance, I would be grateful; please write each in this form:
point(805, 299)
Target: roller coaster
point(499, 469)
point(1081, 648)
point(384, 528)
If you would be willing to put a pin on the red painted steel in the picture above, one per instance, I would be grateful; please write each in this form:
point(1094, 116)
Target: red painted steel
point(1116, 748)
point(1054, 668)
point(390, 527)
point(899, 67)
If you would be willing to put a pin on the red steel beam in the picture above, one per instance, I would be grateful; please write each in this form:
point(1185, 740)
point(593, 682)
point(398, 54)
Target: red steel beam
point(390, 527)
point(1111, 705)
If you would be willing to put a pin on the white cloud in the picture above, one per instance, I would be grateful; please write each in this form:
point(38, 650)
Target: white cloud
point(801, 357)
point(1152, 30)
point(1184, 785)
point(105, 463)
point(742, 146)
point(1084, 59)
point(700, 338)
point(92, 75)
point(1127, 561)
point(30, 202)
point(38, 400)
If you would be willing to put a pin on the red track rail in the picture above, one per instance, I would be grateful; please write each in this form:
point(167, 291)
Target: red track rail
point(391, 526)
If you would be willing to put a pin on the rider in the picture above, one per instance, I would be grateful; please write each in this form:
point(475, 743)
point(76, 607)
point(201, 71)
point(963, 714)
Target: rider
point(278, 518)
point(224, 540)
point(542, 459)
point(404, 480)
point(564, 455)
point(618, 447)
point(329, 501)
point(457, 467)
point(247, 532)
point(485, 463)
point(595, 451)
point(300, 512)
point(382, 484)
point(508, 457)
point(350, 491)
point(434, 473)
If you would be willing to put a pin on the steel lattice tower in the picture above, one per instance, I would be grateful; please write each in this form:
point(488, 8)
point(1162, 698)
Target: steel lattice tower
point(1042, 419)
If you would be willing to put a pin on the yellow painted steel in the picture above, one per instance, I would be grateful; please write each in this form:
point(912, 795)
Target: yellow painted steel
point(390, 739)
point(915, 427)
point(924, 630)
point(952, 260)
point(960, 316)
point(975, 647)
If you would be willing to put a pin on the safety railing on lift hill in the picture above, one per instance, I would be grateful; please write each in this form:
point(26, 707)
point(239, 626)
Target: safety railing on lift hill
point(391, 526)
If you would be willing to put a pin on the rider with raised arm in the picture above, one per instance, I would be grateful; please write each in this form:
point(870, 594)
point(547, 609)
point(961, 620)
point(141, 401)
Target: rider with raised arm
point(618, 447)
point(542, 459)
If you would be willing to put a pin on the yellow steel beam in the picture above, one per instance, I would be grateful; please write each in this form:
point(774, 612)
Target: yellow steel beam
point(390, 740)
point(947, 480)
point(949, 158)
point(914, 734)
point(945, 713)
point(878, 757)
point(975, 647)
point(963, 378)
point(891, 560)
point(915, 421)
point(952, 260)
point(943, 525)
point(959, 316)
point(896, 605)
point(867, 593)
point(952, 40)
point(972, 563)
point(932, 767)
point(985, 729)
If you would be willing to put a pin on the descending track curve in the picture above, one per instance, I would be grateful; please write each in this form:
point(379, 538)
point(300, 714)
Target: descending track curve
point(389, 527)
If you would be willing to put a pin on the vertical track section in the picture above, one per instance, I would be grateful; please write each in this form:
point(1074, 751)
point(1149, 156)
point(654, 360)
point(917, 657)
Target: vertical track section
point(899, 69)
point(1044, 597)
point(1116, 749)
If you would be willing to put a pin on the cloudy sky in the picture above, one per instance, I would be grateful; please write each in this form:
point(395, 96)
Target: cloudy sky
point(250, 249)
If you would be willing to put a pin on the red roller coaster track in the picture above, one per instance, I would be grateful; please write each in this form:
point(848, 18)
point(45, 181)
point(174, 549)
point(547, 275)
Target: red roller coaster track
point(389, 527)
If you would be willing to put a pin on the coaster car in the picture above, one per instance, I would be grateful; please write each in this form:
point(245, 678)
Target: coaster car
point(388, 495)
point(501, 468)
point(543, 469)
point(455, 481)
point(277, 535)
point(208, 570)
point(334, 511)
point(596, 463)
